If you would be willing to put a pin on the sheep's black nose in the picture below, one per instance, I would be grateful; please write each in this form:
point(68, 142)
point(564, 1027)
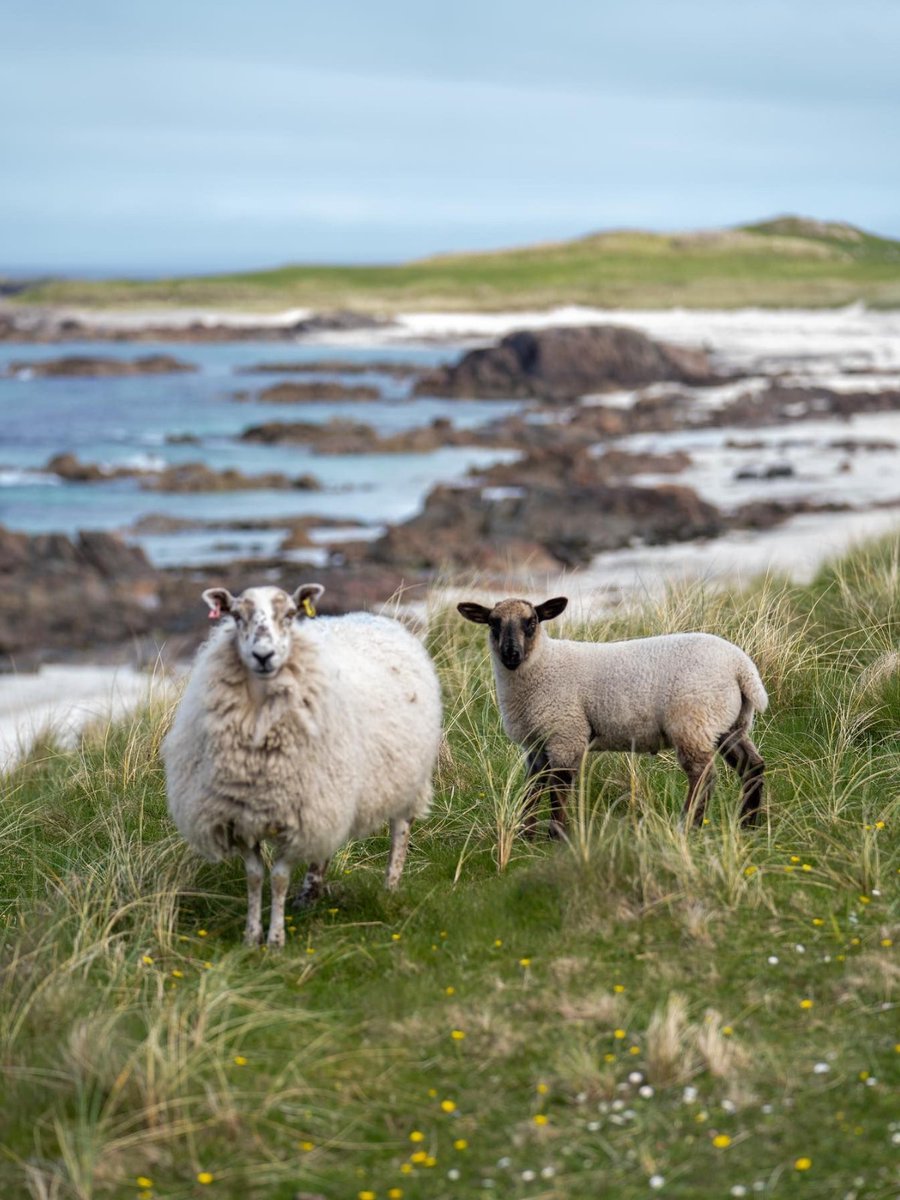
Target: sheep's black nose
point(265, 658)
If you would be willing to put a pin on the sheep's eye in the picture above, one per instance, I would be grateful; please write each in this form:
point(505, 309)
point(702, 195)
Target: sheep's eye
point(531, 625)
point(495, 626)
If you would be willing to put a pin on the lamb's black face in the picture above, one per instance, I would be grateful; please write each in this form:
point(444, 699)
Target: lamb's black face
point(514, 626)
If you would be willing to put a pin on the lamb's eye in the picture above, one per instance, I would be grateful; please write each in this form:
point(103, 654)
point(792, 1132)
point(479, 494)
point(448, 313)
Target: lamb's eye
point(531, 625)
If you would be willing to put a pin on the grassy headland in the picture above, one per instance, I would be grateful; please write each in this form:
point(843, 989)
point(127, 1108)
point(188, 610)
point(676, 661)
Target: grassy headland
point(638, 1011)
point(785, 262)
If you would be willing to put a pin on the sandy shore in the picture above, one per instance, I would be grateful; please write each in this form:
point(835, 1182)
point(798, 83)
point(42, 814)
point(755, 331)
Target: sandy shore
point(60, 701)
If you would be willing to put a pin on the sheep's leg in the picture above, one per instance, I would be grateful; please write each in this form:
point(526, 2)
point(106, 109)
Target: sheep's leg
point(400, 828)
point(743, 757)
point(281, 877)
point(560, 788)
point(312, 887)
point(701, 777)
point(535, 765)
point(255, 875)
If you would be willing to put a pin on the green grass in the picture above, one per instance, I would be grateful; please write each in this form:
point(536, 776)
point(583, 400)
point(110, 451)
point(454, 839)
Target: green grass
point(138, 1038)
point(783, 262)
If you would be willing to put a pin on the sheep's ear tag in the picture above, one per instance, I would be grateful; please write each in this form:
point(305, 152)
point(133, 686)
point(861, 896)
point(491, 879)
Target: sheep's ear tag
point(308, 607)
point(215, 613)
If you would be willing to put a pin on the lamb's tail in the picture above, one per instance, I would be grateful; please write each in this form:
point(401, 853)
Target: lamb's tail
point(754, 696)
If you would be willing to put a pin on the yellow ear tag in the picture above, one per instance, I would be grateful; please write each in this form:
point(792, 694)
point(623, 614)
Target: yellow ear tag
point(308, 607)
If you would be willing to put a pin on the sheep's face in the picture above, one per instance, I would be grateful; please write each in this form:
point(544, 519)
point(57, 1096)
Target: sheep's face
point(514, 626)
point(263, 620)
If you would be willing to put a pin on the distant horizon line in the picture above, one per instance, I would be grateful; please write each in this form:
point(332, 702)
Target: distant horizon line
point(14, 277)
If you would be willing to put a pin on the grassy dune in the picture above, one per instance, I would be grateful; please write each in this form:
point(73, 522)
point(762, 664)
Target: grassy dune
point(638, 1011)
point(790, 261)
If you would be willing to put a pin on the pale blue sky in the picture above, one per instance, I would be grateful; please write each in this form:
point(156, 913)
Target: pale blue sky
point(195, 135)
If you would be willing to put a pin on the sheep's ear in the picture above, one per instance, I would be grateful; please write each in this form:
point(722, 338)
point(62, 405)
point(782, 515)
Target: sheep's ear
point(306, 596)
point(474, 612)
point(551, 608)
point(220, 601)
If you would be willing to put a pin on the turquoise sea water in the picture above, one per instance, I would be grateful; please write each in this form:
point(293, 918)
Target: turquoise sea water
point(119, 422)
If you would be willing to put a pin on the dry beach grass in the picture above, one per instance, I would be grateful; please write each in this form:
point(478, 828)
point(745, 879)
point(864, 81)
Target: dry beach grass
point(639, 1011)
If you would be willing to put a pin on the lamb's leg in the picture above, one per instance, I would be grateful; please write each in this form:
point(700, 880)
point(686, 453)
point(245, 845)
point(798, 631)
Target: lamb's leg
point(743, 757)
point(561, 779)
point(312, 887)
point(255, 875)
point(400, 828)
point(701, 777)
point(281, 877)
point(535, 765)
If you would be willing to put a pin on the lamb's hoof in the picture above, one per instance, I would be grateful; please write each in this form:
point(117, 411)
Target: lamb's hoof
point(305, 899)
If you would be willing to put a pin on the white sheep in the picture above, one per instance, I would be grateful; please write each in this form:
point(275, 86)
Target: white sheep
point(559, 699)
point(301, 733)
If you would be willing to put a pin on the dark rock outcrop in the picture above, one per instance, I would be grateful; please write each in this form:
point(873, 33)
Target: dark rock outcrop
point(197, 477)
point(310, 393)
point(60, 593)
point(563, 363)
point(94, 367)
point(569, 522)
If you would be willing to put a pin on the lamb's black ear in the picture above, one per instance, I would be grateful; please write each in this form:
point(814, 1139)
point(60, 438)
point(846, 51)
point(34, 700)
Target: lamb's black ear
point(551, 608)
point(220, 601)
point(474, 612)
point(306, 596)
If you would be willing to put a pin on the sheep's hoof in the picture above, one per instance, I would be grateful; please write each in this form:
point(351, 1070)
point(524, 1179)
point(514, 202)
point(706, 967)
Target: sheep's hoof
point(557, 832)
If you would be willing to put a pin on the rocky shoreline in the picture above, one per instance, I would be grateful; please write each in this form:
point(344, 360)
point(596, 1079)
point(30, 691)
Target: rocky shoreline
point(583, 483)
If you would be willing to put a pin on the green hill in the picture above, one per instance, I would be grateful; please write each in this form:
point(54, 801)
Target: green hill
point(789, 261)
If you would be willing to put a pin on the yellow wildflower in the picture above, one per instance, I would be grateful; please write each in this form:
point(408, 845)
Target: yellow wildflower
point(143, 1182)
point(802, 1164)
point(448, 1106)
point(365, 1195)
point(147, 960)
point(806, 1003)
point(202, 933)
point(540, 1118)
point(460, 1144)
point(457, 1035)
point(178, 974)
point(449, 991)
point(618, 987)
point(524, 962)
point(619, 1034)
point(240, 1061)
point(307, 1146)
point(395, 1193)
point(418, 1157)
point(417, 1136)
point(205, 1177)
point(542, 1089)
point(395, 937)
point(721, 1141)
